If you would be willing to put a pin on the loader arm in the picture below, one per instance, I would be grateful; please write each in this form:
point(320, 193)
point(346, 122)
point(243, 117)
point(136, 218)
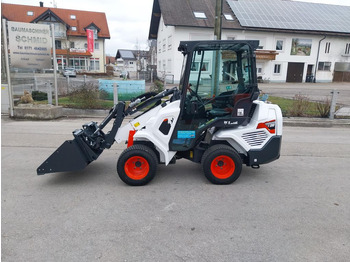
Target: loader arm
point(90, 141)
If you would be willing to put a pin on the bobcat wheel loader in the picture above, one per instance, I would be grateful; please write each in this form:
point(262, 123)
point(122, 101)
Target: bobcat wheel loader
point(214, 118)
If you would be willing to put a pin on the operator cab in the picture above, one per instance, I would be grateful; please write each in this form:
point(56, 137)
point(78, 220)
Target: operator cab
point(218, 87)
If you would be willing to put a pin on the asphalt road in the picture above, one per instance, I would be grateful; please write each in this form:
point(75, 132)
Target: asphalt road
point(294, 209)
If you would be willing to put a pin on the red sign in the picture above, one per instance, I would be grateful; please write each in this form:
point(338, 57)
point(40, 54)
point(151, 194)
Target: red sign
point(90, 40)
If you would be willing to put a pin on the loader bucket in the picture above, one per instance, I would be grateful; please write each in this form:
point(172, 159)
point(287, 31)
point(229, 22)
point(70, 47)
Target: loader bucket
point(72, 155)
point(87, 145)
point(68, 157)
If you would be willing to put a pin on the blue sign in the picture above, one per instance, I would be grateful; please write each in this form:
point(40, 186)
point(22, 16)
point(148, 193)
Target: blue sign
point(186, 134)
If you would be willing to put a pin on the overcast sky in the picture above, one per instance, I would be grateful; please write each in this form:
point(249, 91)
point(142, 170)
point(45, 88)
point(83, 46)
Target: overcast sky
point(128, 20)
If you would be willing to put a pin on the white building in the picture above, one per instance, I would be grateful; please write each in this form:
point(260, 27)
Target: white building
point(132, 61)
point(70, 33)
point(299, 41)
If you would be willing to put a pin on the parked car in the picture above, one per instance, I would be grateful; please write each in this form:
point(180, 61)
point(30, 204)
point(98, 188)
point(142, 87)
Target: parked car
point(69, 71)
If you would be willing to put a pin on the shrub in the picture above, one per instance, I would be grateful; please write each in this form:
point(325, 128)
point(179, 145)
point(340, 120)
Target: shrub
point(39, 96)
point(103, 94)
point(86, 96)
point(324, 107)
point(158, 86)
point(300, 105)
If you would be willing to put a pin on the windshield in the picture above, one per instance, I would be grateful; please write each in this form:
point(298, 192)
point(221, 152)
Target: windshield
point(214, 72)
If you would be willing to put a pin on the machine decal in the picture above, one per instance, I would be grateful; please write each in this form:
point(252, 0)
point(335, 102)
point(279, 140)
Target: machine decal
point(240, 112)
point(186, 134)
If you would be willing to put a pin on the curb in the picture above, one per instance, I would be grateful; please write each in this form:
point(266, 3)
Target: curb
point(315, 122)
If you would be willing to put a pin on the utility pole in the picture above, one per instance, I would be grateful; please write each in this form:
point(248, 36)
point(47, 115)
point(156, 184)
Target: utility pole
point(218, 20)
point(217, 36)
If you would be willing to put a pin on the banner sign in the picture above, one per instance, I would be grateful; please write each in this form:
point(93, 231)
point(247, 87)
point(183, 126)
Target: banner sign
point(30, 45)
point(90, 40)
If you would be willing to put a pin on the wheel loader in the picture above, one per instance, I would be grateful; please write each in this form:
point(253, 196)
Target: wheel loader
point(214, 117)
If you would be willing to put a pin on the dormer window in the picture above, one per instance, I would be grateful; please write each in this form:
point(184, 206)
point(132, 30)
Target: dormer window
point(200, 15)
point(73, 17)
point(30, 13)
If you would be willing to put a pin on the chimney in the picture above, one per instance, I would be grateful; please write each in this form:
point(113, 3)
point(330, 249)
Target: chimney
point(41, 4)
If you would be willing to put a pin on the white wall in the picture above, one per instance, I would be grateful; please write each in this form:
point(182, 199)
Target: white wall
point(169, 60)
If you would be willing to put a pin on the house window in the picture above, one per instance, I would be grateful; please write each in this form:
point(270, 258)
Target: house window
point(169, 42)
point(97, 45)
point(258, 70)
point(347, 49)
point(131, 63)
point(85, 46)
point(95, 32)
point(74, 28)
point(328, 46)
point(72, 45)
point(195, 66)
point(73, 17)
point(58, 44)
point(94, 64)
point(279, 45)
point(30, 13)
point(200, 15)
point(277, 69)
point(228, 17)
point(164, 45)
point(324, 66)
point(78, 63)
point(169, 66)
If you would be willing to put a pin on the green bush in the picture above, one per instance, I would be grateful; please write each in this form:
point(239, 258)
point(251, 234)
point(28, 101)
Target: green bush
point(103, 94)
point(157, 87)
point(300, 106)
point(85, 97)
point(39, 96)
point(324, 108)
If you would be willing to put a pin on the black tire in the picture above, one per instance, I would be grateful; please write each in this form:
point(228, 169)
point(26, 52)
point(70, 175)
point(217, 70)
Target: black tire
point(221, 164)
point(137, 165)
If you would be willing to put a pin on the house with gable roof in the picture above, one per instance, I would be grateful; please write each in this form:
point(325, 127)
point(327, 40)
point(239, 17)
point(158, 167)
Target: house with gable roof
point(70, 33)
point(132, 61)
point(299, 42)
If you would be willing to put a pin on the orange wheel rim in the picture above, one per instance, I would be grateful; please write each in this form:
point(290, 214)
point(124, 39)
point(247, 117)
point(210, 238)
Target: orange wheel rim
point(136, 167)
point(222, 167)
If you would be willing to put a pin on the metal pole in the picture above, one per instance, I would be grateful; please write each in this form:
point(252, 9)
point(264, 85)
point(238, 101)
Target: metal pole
point(318, 54)
point(54, 62)
point(115, 93)
point(218, 20)
point(333, 103)
point(7, 67)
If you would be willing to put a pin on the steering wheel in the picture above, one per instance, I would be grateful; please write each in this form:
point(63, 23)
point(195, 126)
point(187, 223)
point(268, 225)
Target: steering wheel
point(199, 99)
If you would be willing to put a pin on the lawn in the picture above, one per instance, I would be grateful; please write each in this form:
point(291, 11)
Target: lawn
point(288, 106)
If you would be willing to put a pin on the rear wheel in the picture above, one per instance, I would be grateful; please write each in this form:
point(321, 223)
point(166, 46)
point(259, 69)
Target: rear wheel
point(137, 165)
point(221, 164)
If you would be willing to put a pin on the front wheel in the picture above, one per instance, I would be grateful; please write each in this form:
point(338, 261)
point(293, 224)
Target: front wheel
point(221, 164)
point(137, 165)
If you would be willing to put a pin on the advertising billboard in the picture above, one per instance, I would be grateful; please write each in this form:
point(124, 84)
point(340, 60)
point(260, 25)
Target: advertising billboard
point(30, 45)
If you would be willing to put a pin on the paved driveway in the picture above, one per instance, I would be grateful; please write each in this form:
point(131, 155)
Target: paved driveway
point(294, 209)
